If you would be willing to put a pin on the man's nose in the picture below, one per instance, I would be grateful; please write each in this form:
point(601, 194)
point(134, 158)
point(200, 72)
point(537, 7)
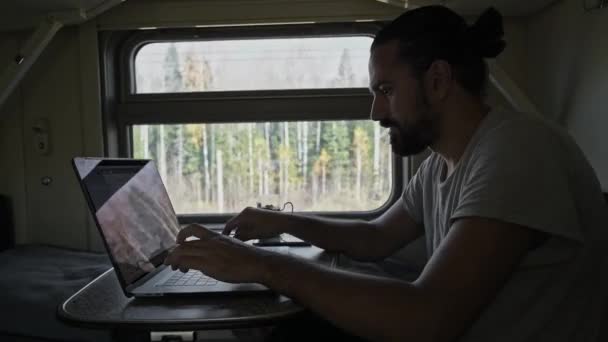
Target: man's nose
point(379, 109)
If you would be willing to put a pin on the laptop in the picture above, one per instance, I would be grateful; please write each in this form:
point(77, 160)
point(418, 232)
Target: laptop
point(138, 225)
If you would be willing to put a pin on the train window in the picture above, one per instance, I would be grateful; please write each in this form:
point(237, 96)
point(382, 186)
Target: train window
point(252, 64)
point(236, 117)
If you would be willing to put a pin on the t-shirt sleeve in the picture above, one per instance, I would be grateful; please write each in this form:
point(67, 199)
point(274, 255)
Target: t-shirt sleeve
point(517, 174)
point(413, 196)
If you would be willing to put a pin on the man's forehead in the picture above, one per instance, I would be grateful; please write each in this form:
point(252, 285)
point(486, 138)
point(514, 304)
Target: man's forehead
point(384, 62)
point(386, 54)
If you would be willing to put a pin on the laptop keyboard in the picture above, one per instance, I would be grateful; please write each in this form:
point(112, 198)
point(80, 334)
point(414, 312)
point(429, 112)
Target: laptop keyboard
point(191, 278)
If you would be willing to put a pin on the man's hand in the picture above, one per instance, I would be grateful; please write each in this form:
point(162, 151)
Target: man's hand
point(253, 223)
point(218, 256)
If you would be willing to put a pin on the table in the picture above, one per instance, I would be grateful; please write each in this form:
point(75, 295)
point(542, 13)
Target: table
point(102, 305)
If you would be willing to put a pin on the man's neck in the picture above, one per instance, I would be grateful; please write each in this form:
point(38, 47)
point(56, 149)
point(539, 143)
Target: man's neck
point(458, 125)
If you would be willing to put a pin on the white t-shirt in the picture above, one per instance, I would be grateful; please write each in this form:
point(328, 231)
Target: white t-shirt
point(521, 169)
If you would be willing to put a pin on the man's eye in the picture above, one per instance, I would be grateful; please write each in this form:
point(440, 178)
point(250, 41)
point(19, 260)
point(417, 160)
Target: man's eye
point(385, 91)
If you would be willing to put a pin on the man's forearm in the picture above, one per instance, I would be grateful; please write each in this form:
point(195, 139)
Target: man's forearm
point(372, 307)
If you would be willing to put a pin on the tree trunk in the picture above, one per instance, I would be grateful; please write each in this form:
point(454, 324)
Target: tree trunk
point(281, 176)
point(359, 168)
point(323, 180)
point(389, 168)
point(386, 170)
point(220, 181)
point(299, 142)
point(300, 154)
point(251, 172)
point(338, 179)
point(286, 168)
point(305, 154)
point(260, 178)
point(145, 141)
point(315, 187)
point(336, 176)
point(318, 144)
point(197, 179)
point(207, 185)
point(376, 177)
point(267, 162)
point(180, 156)
point(299, 139)
point(162, 161)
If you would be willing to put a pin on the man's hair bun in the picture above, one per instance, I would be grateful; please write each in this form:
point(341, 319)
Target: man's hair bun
point(486, 34)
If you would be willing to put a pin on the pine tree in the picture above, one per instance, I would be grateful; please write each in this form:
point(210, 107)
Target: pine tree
point(172, 71)
point(346, 76)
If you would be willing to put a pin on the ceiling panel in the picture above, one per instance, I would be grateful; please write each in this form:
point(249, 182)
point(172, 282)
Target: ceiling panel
point(24, 14)
point(43, 6)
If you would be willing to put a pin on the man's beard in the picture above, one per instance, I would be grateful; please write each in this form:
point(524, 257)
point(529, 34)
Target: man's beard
point(417, 136)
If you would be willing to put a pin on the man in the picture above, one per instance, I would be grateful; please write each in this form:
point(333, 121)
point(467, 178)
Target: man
point(512, 212)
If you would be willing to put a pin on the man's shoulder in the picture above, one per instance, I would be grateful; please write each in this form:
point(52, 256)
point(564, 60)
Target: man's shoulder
point(521, 133)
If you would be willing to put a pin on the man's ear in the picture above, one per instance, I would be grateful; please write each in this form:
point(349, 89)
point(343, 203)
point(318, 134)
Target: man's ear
point(438, 80)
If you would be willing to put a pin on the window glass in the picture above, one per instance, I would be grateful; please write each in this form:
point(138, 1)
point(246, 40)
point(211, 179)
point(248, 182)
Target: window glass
point(316, 165)
point(252, 64)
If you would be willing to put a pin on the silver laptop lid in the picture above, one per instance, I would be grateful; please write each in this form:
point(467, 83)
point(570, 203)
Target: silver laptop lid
point(132, 210)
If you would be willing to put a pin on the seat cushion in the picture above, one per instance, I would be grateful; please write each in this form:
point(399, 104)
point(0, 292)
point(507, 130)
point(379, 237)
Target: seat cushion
point(35, 280)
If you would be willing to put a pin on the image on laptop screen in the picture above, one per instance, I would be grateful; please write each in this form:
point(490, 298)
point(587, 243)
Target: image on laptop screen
point(133, 211)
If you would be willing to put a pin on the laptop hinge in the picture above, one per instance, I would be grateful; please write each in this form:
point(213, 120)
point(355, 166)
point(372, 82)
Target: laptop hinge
point(145, 278)
point(171, 336)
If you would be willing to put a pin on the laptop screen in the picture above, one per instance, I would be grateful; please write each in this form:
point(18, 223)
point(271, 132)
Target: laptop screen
point(133, 211)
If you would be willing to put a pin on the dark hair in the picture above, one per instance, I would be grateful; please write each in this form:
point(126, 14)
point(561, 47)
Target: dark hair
point(430, 33)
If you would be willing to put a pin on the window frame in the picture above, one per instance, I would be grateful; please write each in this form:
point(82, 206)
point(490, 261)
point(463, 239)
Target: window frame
point(123, 108)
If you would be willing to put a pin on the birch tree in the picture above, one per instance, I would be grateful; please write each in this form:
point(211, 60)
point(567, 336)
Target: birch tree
point(250, 145)
point(162, 159)
point(324, 159)
point(180, 156)
point(220, 181)
point(286, 159)
point(318, 136)
point(268, 159)
point(305, 154)
point(145, 141)
point(206, 166)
